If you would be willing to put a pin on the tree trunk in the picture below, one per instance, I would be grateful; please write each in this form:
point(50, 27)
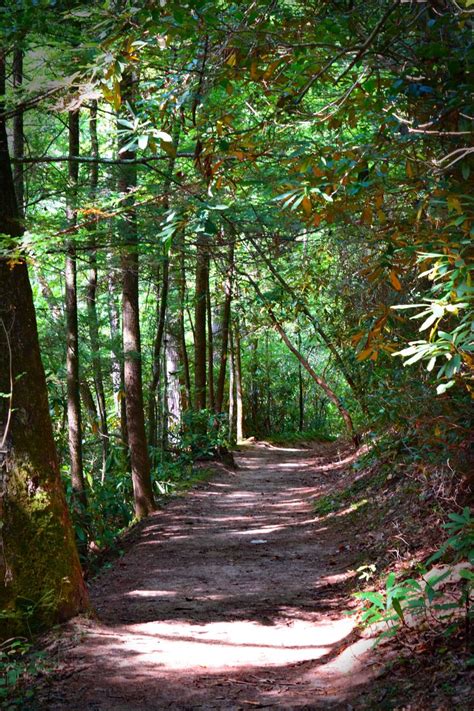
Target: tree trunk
point(238, 385)
point(116, 366)
point(162, 306)
point(186, 391)
point(231, 388)
point(89, 405)
point(254, 390)
point(93, 320)
point(18, 135)
point(300, 392)
point(202, 277)
point(173, 391)
point(137, 442)
point(72, 333)
point(210, 345)
point(38, 556)
point(225, 325)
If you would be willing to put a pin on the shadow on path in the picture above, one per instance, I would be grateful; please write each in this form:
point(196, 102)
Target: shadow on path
point(232, 597)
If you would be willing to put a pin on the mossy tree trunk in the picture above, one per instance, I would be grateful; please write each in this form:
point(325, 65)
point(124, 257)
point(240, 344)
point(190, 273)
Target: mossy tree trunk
point(38, 556)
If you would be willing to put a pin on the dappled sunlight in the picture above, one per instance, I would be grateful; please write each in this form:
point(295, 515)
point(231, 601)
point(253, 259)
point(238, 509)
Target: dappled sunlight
point(213, 646)
point(233, 581)
point(151, 593)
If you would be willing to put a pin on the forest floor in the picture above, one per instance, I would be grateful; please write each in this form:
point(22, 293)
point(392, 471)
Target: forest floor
point(233, 596)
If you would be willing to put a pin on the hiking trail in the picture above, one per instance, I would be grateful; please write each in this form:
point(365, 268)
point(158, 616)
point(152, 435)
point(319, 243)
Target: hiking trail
point(231, 597)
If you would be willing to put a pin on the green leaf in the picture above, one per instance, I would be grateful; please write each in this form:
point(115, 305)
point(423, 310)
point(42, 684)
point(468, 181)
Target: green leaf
point(373, 597)
point(444, 386)
point(398, 609)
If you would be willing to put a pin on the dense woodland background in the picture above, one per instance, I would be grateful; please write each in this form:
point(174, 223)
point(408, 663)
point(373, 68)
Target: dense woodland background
point(227, 220)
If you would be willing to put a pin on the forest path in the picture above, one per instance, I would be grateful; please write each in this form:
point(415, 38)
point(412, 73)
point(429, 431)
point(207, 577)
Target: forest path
point(231, 597)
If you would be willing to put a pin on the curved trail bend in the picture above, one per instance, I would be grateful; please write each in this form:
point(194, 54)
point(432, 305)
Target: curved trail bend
point(232, 597)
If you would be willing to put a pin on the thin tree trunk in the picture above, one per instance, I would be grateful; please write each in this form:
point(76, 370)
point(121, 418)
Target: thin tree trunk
point(173, 389)
point(137, 442)
point(36, 537)
point(300, 391)
point(317, 379)
point(231, 387)
point(116, 369)
point(93, 320)
point(202, 277)
point(18, 134)
point(225, 325)
point(210, 345)
point(89, 405)
point(254, 394)
point(238, 385)
point(162, 306)
point(268, 387)
point(186, 397)
point(72, 333)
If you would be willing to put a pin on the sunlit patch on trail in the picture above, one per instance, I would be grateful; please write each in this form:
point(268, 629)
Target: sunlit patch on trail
point(217, 645)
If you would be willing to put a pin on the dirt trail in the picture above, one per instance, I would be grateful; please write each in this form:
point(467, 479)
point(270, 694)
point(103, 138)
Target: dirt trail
point(232, 597)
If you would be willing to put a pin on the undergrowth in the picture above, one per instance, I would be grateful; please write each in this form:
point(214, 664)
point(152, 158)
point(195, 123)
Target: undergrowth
point(399, 591)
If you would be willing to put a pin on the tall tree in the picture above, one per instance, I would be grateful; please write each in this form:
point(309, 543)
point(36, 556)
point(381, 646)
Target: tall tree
point(224, 330)
point(210, 344)
point(239, 398)
point(200, 314)
point(72, 331)
point(18, 132)
point(93, 319)
point(137, 442)
point(38, 556)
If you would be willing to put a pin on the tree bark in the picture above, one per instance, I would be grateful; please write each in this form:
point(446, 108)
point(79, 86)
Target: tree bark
point(231, 387)
point(225, 325)
point(18, 135)
point(162, 306)
point(38, 555)
point(300, 391)
point(72, 333)
point(238, 385)
point(116, 369)
point(173, 390)
point(89, 405)
point(202, 277)
point(93, 321)
point(184, 359)
point(254, 390)
point(137, 442)
point(210, 345)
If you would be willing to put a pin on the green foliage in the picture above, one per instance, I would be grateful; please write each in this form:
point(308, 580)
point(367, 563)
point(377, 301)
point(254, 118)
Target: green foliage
point(28, 614)
point(17, 663)
point(343, 178)
point(203, 435)
point(460, 543)
point(408, 600)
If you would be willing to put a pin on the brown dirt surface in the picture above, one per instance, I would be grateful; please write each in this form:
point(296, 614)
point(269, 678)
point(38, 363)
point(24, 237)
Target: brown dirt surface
point(231, 597)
